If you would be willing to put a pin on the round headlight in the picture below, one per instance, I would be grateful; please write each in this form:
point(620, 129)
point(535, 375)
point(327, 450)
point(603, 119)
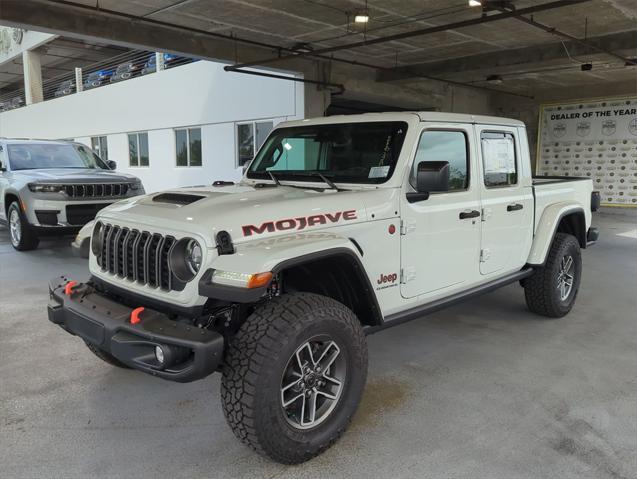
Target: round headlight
point(193, 256)
point(97, 239)
point(185, 259)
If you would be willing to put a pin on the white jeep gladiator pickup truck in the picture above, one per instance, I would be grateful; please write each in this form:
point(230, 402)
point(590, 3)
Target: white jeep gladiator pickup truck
point(340, 227)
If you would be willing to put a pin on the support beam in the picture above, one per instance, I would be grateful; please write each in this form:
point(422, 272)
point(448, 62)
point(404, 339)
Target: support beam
point(492, 62)
point(32, 77)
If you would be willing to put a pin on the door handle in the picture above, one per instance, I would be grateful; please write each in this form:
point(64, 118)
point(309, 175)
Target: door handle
point(469, 214)
point(515, 207)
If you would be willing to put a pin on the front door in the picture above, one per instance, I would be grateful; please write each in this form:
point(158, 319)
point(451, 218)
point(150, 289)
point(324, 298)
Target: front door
point(440, 244)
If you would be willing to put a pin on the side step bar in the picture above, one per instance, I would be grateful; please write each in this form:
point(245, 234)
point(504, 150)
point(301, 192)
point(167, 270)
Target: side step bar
point(422, 310)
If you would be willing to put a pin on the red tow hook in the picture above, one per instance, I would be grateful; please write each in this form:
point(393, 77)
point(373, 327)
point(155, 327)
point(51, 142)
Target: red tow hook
point(68, 289)
point(134, 315)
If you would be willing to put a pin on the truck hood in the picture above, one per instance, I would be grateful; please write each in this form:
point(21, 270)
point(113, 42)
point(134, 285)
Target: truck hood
point(246, 212)
point(74, 175)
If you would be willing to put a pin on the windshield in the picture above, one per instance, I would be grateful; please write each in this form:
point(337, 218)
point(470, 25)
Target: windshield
point(35, 156)
point(344, 152)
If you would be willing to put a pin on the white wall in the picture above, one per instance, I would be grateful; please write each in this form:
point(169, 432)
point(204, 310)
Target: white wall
point(199, 94)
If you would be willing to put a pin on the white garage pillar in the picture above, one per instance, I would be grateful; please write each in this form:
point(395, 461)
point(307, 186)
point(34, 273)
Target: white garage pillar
point(32, 77)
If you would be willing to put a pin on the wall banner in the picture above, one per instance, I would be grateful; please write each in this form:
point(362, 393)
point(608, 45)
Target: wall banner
point(596, 138)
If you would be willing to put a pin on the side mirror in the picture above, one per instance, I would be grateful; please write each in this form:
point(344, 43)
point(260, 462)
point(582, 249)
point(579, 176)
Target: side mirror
point(111, 164)
point(431, 176)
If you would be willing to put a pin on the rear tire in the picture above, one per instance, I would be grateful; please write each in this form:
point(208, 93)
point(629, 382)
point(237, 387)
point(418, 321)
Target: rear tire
point(294, 375)
point(22, 236)
point(552, 289)
point(106, 357)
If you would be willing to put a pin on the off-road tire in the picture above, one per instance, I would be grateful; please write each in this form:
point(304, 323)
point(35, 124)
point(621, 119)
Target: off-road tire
point(28, 238)
point(106, 357)
point(256, 359)
point(541, 290)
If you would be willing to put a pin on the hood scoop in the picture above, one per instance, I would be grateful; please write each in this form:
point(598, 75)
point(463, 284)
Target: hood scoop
point(177, 198)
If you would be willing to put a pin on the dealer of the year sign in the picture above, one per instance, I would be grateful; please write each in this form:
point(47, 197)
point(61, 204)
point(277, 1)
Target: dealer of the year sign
point(597, 139)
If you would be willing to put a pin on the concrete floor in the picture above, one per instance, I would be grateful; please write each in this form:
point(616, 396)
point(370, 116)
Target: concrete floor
point(484, 389)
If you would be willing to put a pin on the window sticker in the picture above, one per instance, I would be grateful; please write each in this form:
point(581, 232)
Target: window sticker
point(379, 171)
point(499, 155)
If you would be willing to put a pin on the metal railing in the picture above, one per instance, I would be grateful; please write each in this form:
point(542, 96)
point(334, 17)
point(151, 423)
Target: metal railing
point(125, 66)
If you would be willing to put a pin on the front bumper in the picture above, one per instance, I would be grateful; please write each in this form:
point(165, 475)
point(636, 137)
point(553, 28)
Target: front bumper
point(191, 353)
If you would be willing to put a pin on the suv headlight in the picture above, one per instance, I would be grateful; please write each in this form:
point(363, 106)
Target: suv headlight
point(136, 185)
point(97, 239)
point(185, 259)
point(44, 188)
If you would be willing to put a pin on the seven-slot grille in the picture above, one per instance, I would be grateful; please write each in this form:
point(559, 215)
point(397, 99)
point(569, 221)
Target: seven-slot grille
point(139, 256)
point(96, 190)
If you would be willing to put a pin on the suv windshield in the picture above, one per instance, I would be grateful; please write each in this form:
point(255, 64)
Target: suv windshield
point(344, 152)
point(36, 156)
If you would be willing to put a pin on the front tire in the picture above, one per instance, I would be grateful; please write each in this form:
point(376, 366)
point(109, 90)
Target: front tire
point(294, 375)
point(552, 289)
point(22, 236)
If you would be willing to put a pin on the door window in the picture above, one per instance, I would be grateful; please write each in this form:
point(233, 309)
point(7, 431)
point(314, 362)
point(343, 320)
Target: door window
point(498, 159)
point(444, 145)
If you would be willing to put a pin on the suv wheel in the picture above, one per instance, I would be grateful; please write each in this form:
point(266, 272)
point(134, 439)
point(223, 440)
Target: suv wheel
point(294, 375)
point(22, 236)
point(552, 289)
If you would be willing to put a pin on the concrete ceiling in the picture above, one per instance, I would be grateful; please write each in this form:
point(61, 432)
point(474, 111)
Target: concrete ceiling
point(527, 59)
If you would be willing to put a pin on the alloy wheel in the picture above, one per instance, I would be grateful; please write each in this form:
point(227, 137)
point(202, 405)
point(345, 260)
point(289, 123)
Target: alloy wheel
point(312, 383)
point(15, 227)
point(565, 277)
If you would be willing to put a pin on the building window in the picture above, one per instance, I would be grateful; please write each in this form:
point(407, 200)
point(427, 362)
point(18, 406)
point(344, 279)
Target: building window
point(99, 144)
point(247, 147)
point(498, 159)
point(445, 145)
point(138, 149)
point(188, 146)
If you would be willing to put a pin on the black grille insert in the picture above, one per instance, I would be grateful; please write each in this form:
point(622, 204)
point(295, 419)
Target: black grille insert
point(81, 214)
point(138, 256)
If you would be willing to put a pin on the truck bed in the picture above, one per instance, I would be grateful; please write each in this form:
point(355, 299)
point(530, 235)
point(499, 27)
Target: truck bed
point(551, 190)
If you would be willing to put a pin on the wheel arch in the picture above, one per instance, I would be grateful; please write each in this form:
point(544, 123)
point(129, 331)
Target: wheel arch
point(559, 218)
point(338, 274)
point(10, 197)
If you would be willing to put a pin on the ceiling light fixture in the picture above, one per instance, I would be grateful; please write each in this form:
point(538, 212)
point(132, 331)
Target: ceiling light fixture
point(475, 3)
point(497, 79)
point(361, 17)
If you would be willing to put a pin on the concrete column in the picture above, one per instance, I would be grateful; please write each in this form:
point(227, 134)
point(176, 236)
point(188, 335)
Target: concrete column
point(317, 99)
point(32, 77)
point(79, 85)
point(159, 61)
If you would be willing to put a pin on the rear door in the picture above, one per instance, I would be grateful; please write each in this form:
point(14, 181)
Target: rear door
point(440, 239)
point(507, 199)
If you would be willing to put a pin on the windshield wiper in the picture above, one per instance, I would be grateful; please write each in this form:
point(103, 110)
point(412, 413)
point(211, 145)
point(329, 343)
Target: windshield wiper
point(329, 182)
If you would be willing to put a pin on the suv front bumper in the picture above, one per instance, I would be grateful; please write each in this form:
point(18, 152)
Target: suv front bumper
point(190, 353)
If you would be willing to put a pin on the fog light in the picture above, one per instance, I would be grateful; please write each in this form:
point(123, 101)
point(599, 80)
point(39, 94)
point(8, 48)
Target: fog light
point(159, 354)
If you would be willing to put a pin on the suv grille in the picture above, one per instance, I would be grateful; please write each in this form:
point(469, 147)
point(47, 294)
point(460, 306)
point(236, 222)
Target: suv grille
point(139, 256)
point(96, 190)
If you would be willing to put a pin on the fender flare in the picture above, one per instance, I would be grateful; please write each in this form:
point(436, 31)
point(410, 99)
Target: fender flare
point(547, 229)
point(333, 245)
